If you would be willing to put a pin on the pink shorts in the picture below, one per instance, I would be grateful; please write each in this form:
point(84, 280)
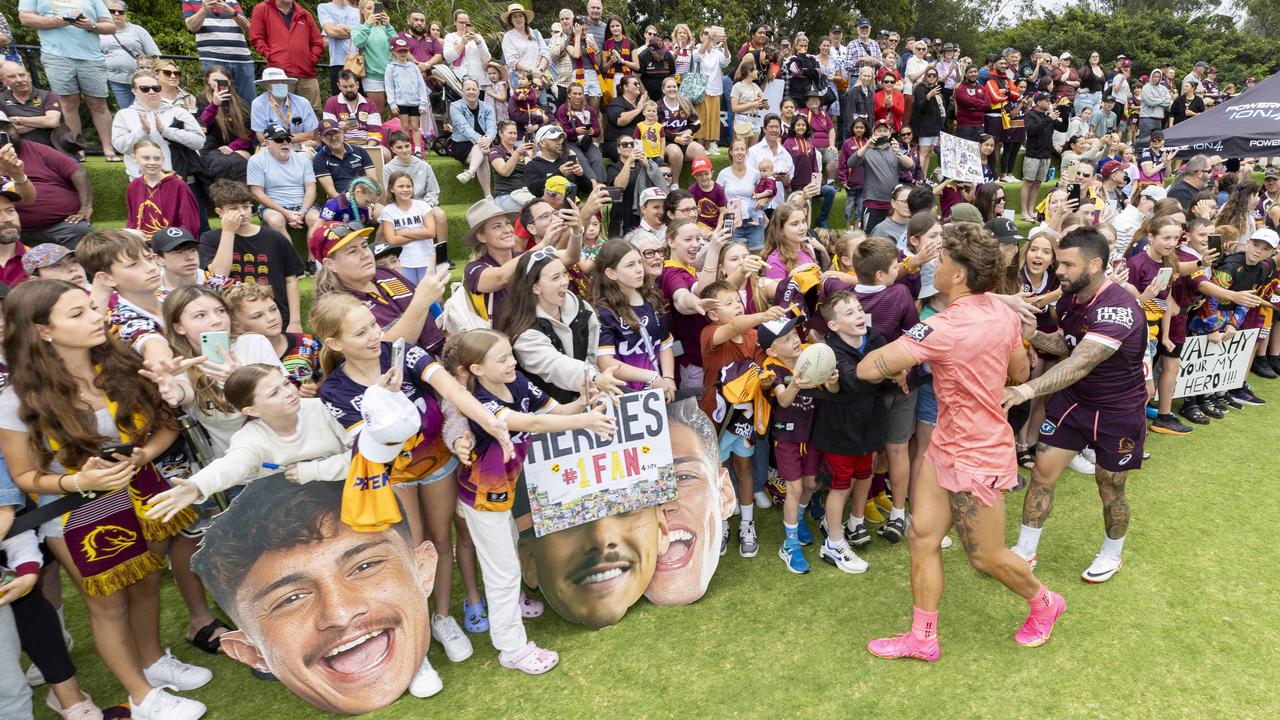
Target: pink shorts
point(986, 489)
point(795, 460)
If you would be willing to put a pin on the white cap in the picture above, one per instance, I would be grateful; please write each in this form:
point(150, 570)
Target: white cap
point(389, 420)
point(1266, 235)
point(1155, 192)
point(652, 193)
point(548, 132)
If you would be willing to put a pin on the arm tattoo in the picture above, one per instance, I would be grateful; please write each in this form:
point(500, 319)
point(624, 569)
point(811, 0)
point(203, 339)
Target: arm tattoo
point(1054, 344)
point(1087, 356)
point(882, 367)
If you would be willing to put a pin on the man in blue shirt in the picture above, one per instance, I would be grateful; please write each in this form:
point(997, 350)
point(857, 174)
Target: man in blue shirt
point(279, 105)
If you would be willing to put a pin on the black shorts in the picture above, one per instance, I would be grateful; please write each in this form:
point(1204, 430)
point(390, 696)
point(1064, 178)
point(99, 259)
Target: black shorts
point(460, 150)
point(1116, 437)
point(1176, 352)
point(409, 110)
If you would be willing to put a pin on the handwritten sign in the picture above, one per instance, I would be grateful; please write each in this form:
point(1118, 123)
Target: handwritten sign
point(1208, 367)
point(960, 159)
point(575, 477)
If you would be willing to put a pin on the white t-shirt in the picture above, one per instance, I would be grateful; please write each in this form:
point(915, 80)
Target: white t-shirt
point(418, 253)
point(712, 65)
point(740, 189)
point(782, 163)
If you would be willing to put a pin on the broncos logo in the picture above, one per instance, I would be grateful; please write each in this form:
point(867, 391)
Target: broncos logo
point(107, 542)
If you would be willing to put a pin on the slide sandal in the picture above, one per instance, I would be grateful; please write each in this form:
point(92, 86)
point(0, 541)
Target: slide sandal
point(531, 659)
point(204, 638)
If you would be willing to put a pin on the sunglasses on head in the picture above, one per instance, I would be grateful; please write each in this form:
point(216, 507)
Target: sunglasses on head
point(147, 89)
point(538, 256)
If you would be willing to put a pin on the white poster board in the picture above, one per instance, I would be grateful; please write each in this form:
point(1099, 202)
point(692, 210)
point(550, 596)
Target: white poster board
point(1208, 367)
point(576, 477)
point(960, 159)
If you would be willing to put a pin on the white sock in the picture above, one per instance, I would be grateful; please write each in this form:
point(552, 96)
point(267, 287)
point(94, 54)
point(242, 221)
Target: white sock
point(747, 512)
point(1029, 539)
point(837, 545)
point(854, 522)
point(1112, 548)
point(898, 514)
point(724, 527)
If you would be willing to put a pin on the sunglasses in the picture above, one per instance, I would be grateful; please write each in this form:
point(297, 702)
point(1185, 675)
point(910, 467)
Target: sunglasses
point(116, 12)
point(147, 89)
point(171, 73)
point(538, 256)
point(1000, 199)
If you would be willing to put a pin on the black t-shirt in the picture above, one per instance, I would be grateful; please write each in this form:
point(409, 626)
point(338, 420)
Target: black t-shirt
point(267, 258)
point(343, 170)
point(504, 184)
point(612, 129)
point(622, 216)
point(537, 170)
point(653, 70)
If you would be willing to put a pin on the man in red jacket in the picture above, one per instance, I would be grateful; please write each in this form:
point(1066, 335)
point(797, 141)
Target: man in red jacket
point(972, 104)
point(287, 37)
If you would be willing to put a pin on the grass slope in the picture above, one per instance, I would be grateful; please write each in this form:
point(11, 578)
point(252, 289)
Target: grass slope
point(1181, 632)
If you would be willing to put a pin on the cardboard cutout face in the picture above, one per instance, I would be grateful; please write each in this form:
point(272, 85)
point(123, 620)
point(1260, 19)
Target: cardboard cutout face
point(312, 605)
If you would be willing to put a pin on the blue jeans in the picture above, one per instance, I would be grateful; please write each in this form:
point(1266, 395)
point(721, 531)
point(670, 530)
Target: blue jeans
point(828, 196)
point(752, 235)
point(1087, 99)
point(123, 93)
point(852, 206)
point(242, 78)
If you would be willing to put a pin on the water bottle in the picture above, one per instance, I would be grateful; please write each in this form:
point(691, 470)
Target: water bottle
point(1053, 173)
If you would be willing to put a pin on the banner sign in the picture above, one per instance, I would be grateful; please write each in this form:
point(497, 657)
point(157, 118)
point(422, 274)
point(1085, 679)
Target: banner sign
point(961, 159)
point(1208, 367)
point(575, 477)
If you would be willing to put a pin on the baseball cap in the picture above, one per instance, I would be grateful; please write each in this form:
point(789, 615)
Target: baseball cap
point(9, 191)
point(382, 249)
point(1157, 134)
point(1112, 166)
point(836, 29)
point(276, 131)
point(702, 164)
point(1008, 51)
point(1202, 64)
point(884, 32)
point(42, 256)
point(389, 420)
point(1065, 56)
point(864, 22)
point(556, 184)
point(328, 126)
point(1272, 172)
point(548, 132)
point(766, 333)
point(1266, 235)
point(1155, 192)
point(1041, 96)
point(652, 193)
point(965, 212)
point(330, 237)
point(1003, 228)
point(399, 44)
point(172, 238)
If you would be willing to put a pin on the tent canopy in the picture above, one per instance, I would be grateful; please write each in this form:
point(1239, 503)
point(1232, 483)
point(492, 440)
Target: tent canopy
point(1247, 125)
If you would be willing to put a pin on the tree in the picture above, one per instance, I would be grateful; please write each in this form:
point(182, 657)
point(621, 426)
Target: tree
point(958, 21)
point(1263, 17)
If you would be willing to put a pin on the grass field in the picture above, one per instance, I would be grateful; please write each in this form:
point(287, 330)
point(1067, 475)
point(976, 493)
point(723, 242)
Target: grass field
point(1181, 632)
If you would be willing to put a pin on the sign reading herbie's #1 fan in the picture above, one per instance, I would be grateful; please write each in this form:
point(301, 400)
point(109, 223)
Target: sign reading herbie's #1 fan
point(1207, 366)
point(576, 477)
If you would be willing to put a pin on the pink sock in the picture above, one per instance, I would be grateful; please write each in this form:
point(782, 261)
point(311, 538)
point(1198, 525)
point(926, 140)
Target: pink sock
point(924, 625)
point(1041, 601)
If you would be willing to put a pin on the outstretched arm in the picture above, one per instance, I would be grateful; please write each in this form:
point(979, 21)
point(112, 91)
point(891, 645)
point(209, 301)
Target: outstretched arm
point(1087, 356)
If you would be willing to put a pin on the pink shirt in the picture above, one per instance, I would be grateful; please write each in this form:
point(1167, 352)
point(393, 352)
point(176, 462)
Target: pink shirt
point(969, 378)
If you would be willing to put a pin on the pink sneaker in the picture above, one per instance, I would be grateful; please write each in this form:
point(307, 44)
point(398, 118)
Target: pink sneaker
point(1038, 627)
point(906, 645)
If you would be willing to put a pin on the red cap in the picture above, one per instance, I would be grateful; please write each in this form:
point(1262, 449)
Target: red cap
point(330, 237)
point(1112, 166)
point(702, 164)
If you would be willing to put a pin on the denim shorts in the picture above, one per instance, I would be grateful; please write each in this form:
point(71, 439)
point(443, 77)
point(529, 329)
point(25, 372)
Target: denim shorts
point(926, 405)
point(73, 77)
point(445, 471)
point(731, 444)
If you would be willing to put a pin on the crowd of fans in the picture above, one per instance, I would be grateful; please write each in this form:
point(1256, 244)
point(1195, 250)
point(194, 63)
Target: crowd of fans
point(592, 259)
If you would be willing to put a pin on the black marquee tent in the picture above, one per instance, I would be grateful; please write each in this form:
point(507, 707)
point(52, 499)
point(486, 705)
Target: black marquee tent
point(1247, 125)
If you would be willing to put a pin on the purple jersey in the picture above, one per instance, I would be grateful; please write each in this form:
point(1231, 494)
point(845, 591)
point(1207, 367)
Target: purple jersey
point(686, 329)
point(1143, 270)
point(710, 203)
point(1112, 317)
point(342, 396)
point(488, 483)
point(390, 298)
point(1048, 283)
point(637, 347)
point(892, 308)
point(794, 423)
point(490, 302)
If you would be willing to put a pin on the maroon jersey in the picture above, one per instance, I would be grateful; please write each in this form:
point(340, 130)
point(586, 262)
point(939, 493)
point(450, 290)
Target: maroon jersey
point(1111, 317)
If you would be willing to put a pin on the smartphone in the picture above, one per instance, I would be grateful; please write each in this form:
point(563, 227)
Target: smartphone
point(571, 190)
point(729, 220)
point(222, 84)
point(1215, 240)
point(1073, 192)
point(615, 194)
point(377, 8)
point(4, 139)
point(215, 345)
point(1164, 276)
point(110, 450)
point(397, 353)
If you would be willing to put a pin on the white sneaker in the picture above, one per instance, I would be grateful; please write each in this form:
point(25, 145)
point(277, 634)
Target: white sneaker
point(1081, 464)
point(747, 545)
point(456, 645)
point(1103, 567)
point(83, 710)
point(35, 678)
point(170, 672)
point(713, 149)
point(426, 682)
point(762, 500)
point(1090, 455)
point(947, 542)
point(465, 176)
point(1029, 558)
point(160, 705)
point(843, 558)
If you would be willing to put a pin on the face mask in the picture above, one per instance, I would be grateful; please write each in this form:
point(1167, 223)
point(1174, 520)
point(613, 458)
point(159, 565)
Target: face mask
point(279, 92)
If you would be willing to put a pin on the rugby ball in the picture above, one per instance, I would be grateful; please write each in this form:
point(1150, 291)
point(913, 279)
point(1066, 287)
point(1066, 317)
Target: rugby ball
point(815, 363)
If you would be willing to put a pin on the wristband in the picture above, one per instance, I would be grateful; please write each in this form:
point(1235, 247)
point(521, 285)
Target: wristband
point(60, 479)
point(26, 568)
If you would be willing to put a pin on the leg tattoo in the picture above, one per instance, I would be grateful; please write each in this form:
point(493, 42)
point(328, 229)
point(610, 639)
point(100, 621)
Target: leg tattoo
point(1038, 503)
point(964, 514)
point(1115, 504)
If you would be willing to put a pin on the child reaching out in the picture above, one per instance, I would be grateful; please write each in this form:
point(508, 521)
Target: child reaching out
point(483, 360)
point(253, 310)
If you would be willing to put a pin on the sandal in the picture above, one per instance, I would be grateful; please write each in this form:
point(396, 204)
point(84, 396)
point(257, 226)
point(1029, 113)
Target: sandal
point(475, 617)
point(205, 639)
point(530, 659)
point(1026, 458)
point(113, 158)
point(530, 608)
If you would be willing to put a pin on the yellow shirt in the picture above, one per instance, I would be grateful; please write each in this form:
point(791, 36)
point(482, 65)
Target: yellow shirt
point(650, 139)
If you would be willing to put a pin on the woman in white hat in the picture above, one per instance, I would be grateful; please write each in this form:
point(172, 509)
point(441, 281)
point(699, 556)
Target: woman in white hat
point(522, 46)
